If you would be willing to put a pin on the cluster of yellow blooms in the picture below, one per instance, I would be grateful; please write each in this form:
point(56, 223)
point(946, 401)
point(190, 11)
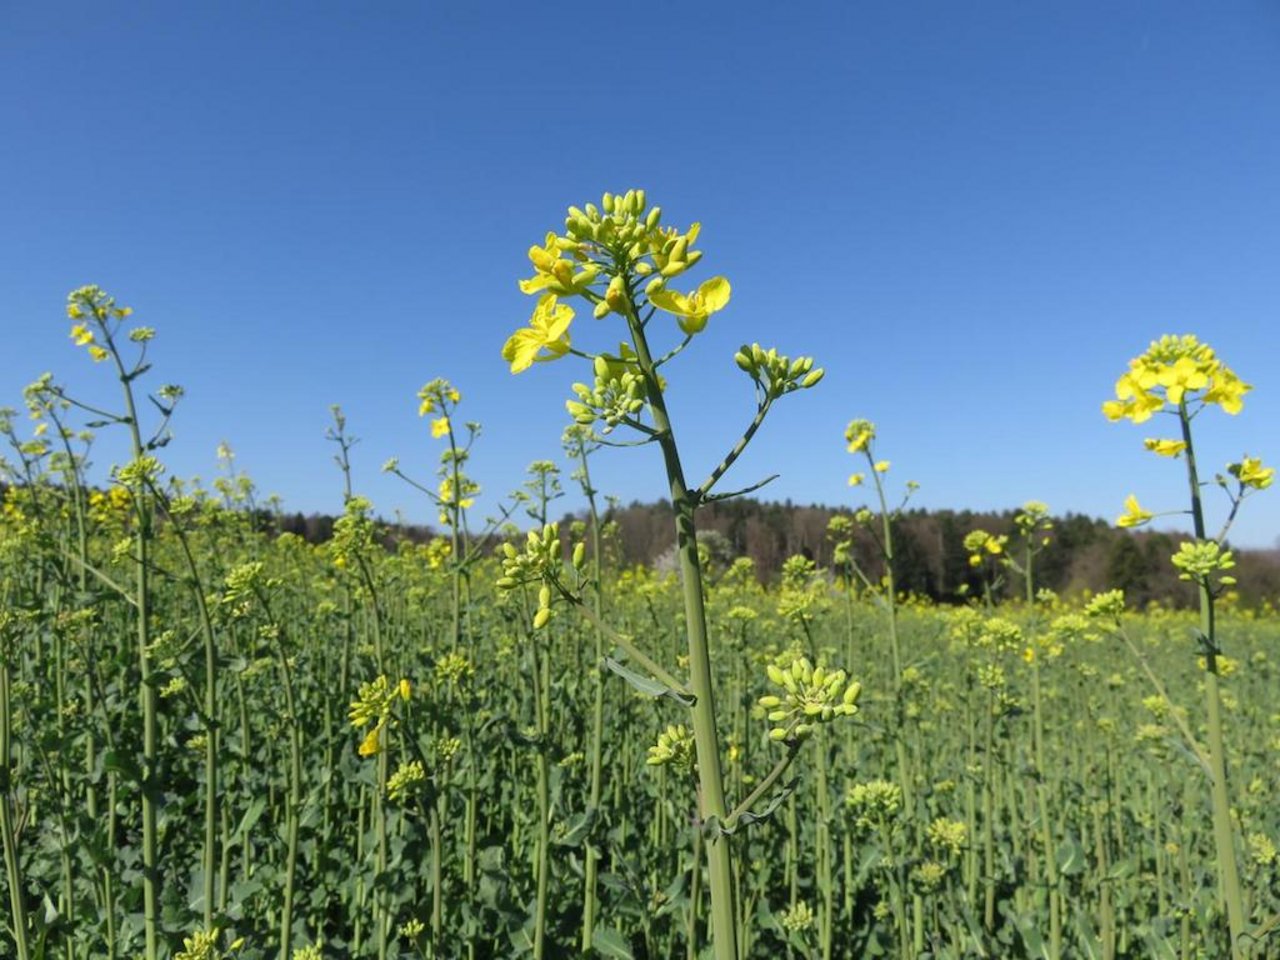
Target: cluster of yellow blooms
point(1180, 375)
point(603, 255)
point(1175, 371)
point(373, 706)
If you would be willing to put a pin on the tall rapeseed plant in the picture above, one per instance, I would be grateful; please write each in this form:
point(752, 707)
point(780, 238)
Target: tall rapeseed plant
point(620, 259)
point(1180, 377)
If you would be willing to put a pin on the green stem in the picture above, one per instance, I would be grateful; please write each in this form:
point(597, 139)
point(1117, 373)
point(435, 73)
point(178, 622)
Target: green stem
point(13, 876)
point(724, 934)
point(1223, 829)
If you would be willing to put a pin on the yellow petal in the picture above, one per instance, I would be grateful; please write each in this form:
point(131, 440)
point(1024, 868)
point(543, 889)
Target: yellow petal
point(714, 294)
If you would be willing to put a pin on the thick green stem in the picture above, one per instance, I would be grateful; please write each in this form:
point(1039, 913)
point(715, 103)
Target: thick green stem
point(714, 808)
point(1223, 829)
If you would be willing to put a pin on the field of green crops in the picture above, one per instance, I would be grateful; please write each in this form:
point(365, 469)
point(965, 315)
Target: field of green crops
point(220, 742)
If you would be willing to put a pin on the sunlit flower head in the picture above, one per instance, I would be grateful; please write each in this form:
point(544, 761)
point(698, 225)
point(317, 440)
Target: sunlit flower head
point(859, 433)
point(1174, 371)
point(546, 337)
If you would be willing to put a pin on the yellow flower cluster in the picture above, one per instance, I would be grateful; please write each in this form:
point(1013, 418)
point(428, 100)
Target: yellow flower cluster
point(981, 544)
point(603, 256)
point(373, 705)
point(1174, 371)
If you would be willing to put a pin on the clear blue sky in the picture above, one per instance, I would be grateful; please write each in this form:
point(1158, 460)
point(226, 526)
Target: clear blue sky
point(972, 214)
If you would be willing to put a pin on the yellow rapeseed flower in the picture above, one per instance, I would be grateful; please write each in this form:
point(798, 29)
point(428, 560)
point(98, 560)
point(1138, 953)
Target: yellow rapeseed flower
point(1165, 448)
point(548, 330)
point(439, 427)
point(692, 310)
point(555, 273)
point(371, 745)
point(1251, 473)
point(1134, 515)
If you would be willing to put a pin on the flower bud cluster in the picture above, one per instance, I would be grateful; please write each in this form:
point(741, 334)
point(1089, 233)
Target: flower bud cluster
point(777, 374)
point(617, 394)
point(1106, 604)
point(675, 746)
point(539, 562)
point(810, 695)
point(1198, 562)
point(875, 803)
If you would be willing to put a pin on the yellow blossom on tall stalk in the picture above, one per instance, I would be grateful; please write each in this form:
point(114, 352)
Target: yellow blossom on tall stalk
point(1175, 372)
point(1181, 376)
point(619, 258)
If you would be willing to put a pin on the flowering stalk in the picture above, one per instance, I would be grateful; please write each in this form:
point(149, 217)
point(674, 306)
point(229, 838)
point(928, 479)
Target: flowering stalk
point(98, 323)
point(617, 247)
point(1181, 376)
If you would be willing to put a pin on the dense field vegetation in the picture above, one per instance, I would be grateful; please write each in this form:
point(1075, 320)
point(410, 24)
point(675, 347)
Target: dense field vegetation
point(216, 741)
point(500, 721)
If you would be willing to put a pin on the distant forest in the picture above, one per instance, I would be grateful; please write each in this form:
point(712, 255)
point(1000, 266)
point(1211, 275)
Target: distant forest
point(1085, 553)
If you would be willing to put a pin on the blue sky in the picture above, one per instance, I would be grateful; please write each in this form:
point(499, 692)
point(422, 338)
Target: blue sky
point(971, 214)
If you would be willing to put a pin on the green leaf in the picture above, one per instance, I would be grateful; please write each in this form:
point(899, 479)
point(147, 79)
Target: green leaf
point(610, 943)
point(577, 829)
point(1071, 859)
point(647, 685)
